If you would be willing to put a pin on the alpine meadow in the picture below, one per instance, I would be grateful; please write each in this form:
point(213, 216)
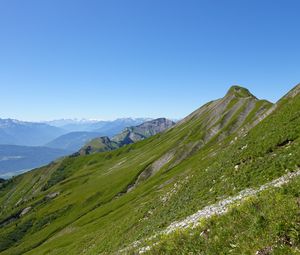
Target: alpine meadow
point(224, 180)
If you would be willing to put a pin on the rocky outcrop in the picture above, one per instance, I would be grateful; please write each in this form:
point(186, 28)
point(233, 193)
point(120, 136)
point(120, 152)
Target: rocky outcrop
point(152, 169)
point(294, 92)
point(52, 195)
point(25, 211)
point(143, 131)
point(128, 136)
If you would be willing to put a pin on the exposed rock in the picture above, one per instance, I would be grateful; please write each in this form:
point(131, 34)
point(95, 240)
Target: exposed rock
point(294, 92)
point(52, 195)
point(143, 131)
point(244, 147)
point(25, 211)
point(152, 169)
point(265, 251)
point(19, 202)
point(222, 206)
point(220, 118)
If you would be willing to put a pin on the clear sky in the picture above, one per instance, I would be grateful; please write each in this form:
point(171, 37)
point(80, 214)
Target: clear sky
point(142, 58)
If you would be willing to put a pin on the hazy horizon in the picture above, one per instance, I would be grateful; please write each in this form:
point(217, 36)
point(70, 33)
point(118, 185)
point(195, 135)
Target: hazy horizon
point(83, 118)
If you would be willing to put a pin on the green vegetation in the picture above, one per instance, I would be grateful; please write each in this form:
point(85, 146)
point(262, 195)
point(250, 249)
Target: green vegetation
point(267, 224)
point(203, 159)
point(99, 144)
point(239, 92)
point(14, 235)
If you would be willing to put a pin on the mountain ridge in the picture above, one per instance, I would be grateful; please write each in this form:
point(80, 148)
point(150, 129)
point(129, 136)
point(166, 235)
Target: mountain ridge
point(27, 133)
point(128, 136)
point(136, 191)
point(240, 91)
point(74, 140)
point(99, 126)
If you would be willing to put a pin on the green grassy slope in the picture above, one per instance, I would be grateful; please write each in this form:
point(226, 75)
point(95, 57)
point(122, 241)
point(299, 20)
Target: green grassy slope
point(102, 203)
point(99, 144)
point(266, 224)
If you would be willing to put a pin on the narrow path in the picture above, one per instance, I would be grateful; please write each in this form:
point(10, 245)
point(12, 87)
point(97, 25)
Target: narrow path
point(219, 208)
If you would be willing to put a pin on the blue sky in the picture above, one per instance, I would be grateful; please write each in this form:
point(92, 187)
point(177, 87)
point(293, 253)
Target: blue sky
point(141, 58)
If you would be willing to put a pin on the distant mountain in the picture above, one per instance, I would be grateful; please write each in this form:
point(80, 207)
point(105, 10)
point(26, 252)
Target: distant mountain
point(111, 128)
point(108, 128)
point(72, 141)
point(17, 132)
point(142, 131)
point(73, 125)
point(15, 159)
point(127, 136)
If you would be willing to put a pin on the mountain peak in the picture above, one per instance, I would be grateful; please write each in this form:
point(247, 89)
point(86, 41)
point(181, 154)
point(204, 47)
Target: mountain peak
point(240, 92)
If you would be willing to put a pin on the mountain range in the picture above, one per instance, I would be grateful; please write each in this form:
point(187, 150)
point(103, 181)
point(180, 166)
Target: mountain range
point(15, 132)
point(128, 136)
point(72, 141)
point(106, 127)
point(224, 180)
point(15, 159)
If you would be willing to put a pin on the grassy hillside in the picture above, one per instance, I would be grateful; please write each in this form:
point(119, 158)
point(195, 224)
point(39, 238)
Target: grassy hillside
point(99, 144)
point(266, 224)
point(103, 203)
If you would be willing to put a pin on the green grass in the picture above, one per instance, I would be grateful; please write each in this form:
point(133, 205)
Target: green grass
point(240, 92)
point(269, 221)
point(93, 215)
